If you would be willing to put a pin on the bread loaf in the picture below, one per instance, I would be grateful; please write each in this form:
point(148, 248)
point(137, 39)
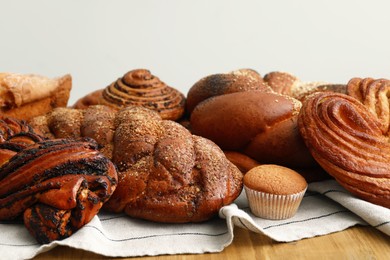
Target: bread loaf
point(166, 174)
point(26, 96)
point(262, 125)
point(224, 83)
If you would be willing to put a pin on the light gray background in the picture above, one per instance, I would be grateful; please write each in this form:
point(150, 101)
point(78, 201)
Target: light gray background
point(182, 41)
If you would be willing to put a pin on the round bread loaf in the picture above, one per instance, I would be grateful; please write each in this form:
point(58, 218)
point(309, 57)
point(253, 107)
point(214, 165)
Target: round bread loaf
point(262, 125)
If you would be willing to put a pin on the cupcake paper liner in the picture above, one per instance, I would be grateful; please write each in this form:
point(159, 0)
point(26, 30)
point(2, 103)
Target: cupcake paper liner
point(272, 206)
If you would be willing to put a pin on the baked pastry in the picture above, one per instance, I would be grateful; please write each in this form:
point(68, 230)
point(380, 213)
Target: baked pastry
point(373, 93)
point(349, 140)
point(224, 83)
point(141, 88)
point(166, 174)
point(282, 82)
point(261, 125)
point(24, 96)
point(273, 191)
point(242, 161)
point(57, 186)
point(96, 122)
point(288, 84)
point(15, 135)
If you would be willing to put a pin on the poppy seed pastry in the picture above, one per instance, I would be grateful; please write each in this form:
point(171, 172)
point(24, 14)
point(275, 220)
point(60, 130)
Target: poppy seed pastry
point(141, 88)
point(55, 186)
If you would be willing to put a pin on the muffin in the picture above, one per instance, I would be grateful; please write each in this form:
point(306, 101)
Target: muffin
point(273, 191)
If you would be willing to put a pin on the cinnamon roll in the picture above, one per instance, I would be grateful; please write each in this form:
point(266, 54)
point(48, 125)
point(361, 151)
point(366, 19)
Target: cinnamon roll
point(141, 88)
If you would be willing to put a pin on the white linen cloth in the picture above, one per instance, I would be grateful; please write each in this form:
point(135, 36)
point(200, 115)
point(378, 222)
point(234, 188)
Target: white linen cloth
point(326, 208)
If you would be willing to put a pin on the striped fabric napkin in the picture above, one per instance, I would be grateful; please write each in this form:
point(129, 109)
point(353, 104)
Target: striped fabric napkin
point(326, 208)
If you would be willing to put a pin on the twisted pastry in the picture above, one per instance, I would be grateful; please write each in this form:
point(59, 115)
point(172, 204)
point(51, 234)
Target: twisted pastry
point(141, 88)
point(346, 139)
point(57, 185)
point(373, 93)
point(15, 135)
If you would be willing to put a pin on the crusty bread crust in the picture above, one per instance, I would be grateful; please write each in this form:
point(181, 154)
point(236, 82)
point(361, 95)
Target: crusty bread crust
point(50, 93)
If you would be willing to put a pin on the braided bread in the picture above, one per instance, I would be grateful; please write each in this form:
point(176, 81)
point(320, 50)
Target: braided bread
point(166, 174)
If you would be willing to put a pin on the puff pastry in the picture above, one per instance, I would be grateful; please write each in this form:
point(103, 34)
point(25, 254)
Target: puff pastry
point(350, 142)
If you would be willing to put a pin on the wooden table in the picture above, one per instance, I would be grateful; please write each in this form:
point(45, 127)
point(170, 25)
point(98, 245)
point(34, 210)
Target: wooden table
point(354, 243)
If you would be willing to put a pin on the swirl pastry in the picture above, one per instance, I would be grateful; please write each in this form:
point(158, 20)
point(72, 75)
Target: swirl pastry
point(57, 185)
point(166, 174)
point(141, 88)
point(348, 141)
point(15, 135)
point(374, 94)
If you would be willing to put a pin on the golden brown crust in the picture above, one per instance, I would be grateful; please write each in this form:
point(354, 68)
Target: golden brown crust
point(166, 174)
point(374, 94)
point(281, 82)
point(274, 179)
point(28, 96)
point(141, 88)
point(224, 83)
point(242, 161)
point(347, 140)
point(259, 124)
